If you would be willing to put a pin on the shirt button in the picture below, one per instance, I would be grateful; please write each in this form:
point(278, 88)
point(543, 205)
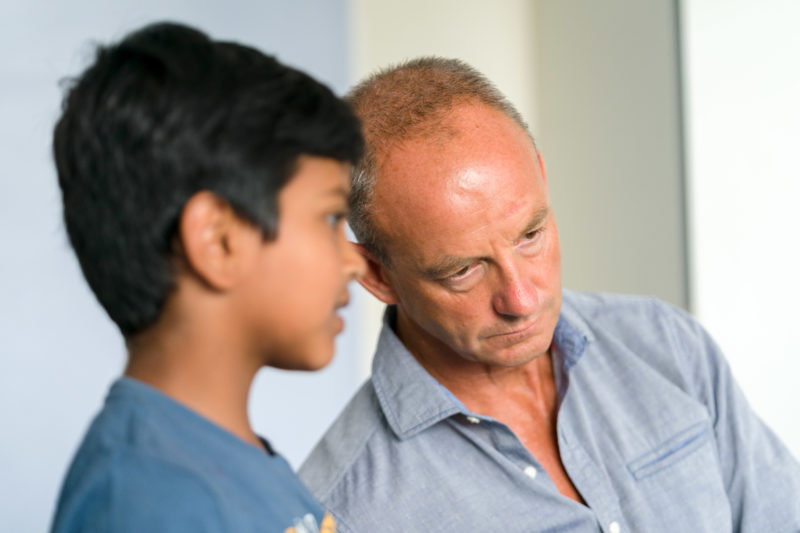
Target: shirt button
point(473, 420)
point(613, 527)
point(531, 473)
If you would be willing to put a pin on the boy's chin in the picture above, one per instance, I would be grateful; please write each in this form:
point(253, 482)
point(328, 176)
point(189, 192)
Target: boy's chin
point(316, 364)
point(309, 362)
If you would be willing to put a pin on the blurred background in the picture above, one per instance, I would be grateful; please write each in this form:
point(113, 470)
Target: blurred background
point(669, 131)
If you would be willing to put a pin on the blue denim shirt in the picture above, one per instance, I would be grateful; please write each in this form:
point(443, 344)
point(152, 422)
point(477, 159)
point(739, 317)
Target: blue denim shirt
point(652, 429)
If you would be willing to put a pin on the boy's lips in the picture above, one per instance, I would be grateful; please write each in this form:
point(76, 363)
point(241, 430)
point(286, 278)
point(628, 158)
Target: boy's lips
point(343, 300)
point(338, 323)
point(340, 304)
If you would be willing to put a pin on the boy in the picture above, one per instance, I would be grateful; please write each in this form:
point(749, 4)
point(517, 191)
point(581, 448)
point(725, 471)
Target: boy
point(205, 187)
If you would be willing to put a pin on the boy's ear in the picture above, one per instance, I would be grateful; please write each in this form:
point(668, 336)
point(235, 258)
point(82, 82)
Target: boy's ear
point(375, 278)
point(213, 239)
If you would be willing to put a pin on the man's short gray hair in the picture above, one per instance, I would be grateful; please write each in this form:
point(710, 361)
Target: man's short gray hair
point(405, 101)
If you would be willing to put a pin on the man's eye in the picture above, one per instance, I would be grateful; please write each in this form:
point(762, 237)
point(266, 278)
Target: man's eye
point(462, 273)
point(532, 234)
point(464, 278)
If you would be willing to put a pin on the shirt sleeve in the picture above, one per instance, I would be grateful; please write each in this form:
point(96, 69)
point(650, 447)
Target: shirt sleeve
point(761, 477)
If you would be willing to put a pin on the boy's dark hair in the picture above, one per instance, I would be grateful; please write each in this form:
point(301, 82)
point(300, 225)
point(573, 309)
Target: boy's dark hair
point(166, 113)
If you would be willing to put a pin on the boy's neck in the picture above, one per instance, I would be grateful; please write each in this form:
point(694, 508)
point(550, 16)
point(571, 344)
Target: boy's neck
point(203, 371)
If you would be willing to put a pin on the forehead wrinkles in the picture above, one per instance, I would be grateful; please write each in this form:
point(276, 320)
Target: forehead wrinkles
point(441, 190)
point(467, 224)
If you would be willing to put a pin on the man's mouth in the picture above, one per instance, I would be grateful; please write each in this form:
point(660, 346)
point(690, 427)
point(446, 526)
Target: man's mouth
point(514, 334)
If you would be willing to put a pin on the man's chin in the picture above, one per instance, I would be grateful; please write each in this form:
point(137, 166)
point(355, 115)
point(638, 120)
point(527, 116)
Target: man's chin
point(516, 354)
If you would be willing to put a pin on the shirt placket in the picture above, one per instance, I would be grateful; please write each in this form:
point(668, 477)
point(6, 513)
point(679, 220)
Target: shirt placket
point(591, 482)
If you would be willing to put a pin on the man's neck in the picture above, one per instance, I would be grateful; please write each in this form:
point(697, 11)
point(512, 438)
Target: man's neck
point(523, 397)
point(483, 387)
point(499, 391)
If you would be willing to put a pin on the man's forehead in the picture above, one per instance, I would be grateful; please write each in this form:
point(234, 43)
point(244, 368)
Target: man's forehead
point(449, 185)
point(424, 170)
point(432, 238)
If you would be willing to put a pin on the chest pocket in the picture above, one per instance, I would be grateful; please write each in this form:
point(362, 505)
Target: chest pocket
point(671, 451)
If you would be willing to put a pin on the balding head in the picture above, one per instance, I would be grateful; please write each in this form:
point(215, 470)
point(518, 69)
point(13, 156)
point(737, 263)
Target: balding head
point(411, 100)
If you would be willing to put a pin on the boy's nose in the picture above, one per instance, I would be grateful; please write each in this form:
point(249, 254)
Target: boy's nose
point(354, 263)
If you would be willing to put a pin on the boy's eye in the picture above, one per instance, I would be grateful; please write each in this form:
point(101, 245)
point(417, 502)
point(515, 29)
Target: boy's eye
point(335, 219)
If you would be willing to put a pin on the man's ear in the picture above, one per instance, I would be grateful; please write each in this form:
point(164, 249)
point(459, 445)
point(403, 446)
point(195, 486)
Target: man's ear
point(375, 279)
point(214, 241)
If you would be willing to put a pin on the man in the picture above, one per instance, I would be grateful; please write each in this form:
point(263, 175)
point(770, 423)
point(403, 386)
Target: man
point(497, 401)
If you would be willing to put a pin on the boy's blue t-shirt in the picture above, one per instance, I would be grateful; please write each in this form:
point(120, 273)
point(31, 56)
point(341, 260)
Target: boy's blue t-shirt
point(148, 463)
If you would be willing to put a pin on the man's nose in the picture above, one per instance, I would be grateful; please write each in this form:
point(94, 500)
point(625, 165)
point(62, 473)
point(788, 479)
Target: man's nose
point(516, 292)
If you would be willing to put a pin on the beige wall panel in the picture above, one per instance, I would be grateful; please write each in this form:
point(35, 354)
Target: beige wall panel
point(609, 127)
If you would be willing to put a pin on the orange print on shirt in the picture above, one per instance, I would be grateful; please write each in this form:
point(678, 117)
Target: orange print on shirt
point(309, 525)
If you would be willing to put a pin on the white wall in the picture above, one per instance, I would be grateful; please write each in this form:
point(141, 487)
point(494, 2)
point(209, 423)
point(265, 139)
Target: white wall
point(495, 37)
point(742, 74)
point(58, 350)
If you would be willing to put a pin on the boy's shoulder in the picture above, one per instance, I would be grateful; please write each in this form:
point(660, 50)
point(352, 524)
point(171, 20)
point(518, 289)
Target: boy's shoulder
point(129, 475)
point(149, 464)
point(125, 491)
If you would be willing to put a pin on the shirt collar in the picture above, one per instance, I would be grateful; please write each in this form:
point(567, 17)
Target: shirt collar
point(412, 400)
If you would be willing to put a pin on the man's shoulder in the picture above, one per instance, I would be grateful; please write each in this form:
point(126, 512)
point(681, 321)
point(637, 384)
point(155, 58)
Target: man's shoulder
point(343, 443)
point(603, 304)
point(633, 315)
point(661, 335)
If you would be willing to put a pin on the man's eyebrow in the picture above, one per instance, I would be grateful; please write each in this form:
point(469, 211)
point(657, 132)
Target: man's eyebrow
point(537, 218)
point(446, 265)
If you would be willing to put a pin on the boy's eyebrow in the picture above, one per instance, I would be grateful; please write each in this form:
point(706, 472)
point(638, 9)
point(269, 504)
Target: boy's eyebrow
point(337, 190)
point(448, 263)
